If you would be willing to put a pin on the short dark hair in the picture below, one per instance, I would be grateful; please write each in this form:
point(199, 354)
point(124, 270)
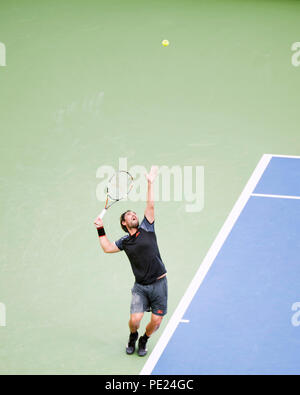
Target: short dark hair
point(122, 218)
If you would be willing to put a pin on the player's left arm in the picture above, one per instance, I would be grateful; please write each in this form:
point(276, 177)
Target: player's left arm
point(149, 212)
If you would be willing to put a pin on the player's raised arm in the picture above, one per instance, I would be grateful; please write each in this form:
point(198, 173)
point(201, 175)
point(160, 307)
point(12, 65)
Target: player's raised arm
point(149, 212)
point(106, 245)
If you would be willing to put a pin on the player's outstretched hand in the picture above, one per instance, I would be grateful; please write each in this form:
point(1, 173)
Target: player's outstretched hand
point(153, 173)
point(98, 222)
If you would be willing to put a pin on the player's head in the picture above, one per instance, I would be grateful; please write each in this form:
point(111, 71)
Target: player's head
point(129, 220)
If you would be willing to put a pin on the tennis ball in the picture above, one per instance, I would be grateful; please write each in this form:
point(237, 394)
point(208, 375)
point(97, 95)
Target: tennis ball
point(165, 43)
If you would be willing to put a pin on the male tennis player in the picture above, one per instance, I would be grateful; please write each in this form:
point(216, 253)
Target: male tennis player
point(150, 290)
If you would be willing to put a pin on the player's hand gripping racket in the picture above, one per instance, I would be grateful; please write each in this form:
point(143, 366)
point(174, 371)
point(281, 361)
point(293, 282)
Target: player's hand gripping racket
point(118, 188)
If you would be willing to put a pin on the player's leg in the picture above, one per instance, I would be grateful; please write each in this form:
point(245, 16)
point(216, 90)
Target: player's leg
point(134, 324)
point(154, 324)
point(137, 308)
point(152, 327)
point(158, 296)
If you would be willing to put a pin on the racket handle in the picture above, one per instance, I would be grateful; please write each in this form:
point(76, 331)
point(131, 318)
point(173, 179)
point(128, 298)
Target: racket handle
point(102, 213)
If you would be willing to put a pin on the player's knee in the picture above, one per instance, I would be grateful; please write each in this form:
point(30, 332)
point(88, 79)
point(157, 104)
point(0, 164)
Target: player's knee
point(157, 319)
point(136, 319)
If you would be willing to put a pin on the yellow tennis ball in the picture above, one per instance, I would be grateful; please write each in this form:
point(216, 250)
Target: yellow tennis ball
point(165, 43)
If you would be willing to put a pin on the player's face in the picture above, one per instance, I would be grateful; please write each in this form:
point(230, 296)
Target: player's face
point(131, 220)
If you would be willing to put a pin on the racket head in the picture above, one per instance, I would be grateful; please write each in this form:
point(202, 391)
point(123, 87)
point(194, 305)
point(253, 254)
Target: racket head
point(119, 185)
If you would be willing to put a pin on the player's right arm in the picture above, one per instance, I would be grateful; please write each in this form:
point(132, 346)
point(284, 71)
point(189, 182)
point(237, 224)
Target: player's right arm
point(106, 245)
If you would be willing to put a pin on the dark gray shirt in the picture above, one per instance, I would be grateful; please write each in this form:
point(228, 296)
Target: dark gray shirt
point(143, 253)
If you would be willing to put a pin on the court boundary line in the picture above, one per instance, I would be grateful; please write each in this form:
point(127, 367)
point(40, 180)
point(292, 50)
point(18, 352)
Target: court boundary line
point(285, 156)
point(275, 196)
point(206, 264)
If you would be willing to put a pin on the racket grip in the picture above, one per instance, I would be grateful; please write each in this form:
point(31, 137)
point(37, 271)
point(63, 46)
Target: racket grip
point(102, 213)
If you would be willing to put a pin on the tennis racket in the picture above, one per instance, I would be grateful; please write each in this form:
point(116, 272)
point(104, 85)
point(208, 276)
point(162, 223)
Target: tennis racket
point(118, 188)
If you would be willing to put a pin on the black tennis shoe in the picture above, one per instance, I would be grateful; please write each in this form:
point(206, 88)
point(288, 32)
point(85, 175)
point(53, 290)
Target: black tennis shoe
point(142, 350)
point(131, 343)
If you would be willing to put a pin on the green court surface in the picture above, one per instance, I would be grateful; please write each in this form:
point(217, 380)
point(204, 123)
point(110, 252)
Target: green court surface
point(88, 82)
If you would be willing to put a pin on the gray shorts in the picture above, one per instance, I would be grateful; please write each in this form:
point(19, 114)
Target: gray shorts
point(152, 297)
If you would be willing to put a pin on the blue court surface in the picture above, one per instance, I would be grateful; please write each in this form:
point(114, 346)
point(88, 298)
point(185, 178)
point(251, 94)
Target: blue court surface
point(239, 315)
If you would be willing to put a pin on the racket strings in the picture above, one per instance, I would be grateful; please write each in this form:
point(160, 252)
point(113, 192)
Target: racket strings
point(119, 185)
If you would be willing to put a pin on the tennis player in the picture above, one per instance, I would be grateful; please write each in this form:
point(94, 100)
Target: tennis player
point(150, 290)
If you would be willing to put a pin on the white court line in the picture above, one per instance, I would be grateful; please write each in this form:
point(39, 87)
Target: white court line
point(205, 265)
point(286, 156)
point(275, 196)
